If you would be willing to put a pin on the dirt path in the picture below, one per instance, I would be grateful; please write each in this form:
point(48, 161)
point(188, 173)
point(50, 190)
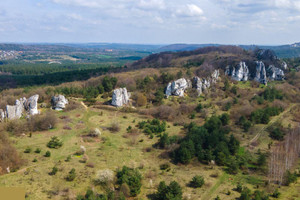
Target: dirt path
point(83, 104)
point(274, 119)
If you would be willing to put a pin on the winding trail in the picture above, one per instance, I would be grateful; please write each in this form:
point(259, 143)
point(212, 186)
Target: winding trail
point(273, 120)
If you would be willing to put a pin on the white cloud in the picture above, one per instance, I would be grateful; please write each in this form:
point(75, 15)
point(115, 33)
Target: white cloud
point(189, 10)
point(151, 4)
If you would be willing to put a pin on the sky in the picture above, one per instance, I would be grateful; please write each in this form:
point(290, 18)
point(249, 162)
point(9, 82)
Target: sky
point(264, 22)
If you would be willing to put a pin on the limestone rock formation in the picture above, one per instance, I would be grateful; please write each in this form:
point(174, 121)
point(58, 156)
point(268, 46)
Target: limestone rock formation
point(275, 73)
point(177, 87)
point(260, 75)
point(59, 102)
point(120, 97)
point(284, 65)
point(16, 111)
point(215, 76)
point(2, 115)
point(11, 112)
point(31, 105)
point(238, 73)
point(198, 85)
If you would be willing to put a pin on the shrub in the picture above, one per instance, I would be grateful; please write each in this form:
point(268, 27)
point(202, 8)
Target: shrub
point(271, 94)
point(165, 140)
point(114, 127)
point(152, 126)
point(224, 119)
point(132, 178)
point(276, 194)
point(54, 143)
point(54, 171)
point(165, 166)
point(27, 150)
point(72, 175)
point(141, 100)
point(68, 158)
point(276, 134)
point(169, 192)
point(197, 182)
point(290, 177)
point(104, 177)
point(198, 108)
point(9, 156)
point(42, 122)
point(47, 154)
point(38, 150)
point(34, 160)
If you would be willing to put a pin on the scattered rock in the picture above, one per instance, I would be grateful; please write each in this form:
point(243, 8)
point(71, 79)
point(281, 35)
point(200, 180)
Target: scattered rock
point(59, 102)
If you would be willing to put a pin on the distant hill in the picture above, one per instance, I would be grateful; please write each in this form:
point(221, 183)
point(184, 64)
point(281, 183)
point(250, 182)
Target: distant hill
point(282, 51)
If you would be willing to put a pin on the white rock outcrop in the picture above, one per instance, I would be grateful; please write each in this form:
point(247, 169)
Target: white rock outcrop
point(238, 73)
point(31, 105)
point(274, 73)
point(120, 97)
point(59, 102)
point(261, 74)
point(16, 111)
point(177, 87)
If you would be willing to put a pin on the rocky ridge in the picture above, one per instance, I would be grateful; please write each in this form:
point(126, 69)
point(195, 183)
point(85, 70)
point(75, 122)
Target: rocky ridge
point(178, 87)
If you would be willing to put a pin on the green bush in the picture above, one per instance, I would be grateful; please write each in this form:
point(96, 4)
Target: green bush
point(152, 126)
point(27, 150)
point(54, 143)
point(54, 171)
point(198, 108)
point(132, 178)
point(38, 150)
point(47, 154)
point(72, 175)
point(276, 134)
point(197, 182)
point(169, 192)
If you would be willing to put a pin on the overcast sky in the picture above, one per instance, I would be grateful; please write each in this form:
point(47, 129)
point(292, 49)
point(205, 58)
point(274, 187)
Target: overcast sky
point(151, 21)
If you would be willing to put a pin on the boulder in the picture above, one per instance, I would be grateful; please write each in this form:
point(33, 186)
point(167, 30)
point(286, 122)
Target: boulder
point(31, 105)
point(178, 87)
point(59, 102)
point(275, 73)
point(120, 97)
point(260, 74)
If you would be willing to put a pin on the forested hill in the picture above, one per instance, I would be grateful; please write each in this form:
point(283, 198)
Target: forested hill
point(218, 57)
